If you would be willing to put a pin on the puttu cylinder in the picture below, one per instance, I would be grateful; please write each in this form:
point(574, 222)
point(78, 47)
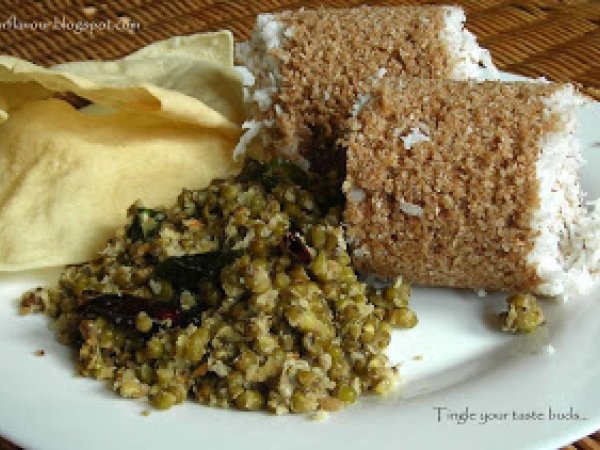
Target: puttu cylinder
point(467, 184)
point(311, 66)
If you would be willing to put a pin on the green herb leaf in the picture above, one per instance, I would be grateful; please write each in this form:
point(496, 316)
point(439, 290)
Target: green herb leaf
point(145, 224)
point(186, 271)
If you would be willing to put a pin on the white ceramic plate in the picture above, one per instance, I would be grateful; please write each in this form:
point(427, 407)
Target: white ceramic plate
point(473, 388)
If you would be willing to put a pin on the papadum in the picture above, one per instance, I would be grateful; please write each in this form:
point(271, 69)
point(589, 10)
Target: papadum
point(68, 176)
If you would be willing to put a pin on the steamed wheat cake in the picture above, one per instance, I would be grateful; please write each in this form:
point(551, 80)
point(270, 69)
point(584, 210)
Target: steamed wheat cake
point(470, 185)
point(310, 66)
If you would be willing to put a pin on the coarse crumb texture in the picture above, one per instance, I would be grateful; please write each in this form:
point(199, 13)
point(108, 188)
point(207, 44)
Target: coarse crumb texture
point(240, 295)
point(466, 184)
point(311, 66)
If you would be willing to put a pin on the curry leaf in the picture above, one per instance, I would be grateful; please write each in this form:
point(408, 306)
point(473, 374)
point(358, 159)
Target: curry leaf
point(186, 271)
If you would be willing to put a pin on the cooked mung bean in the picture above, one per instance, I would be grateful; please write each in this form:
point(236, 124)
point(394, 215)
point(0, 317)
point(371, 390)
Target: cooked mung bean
point(240, 295)
point(523, 314)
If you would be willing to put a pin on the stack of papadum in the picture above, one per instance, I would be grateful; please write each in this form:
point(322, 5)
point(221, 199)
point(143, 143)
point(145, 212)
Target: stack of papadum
point(163, 118)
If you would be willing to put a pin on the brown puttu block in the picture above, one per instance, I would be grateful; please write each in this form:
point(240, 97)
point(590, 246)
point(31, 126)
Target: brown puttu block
point(444, 183)
point(310, 66)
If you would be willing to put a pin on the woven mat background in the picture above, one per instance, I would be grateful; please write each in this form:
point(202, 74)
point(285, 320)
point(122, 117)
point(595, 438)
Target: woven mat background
point(556, 39)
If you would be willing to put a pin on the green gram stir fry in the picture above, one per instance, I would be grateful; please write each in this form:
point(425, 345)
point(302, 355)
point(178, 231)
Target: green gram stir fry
point(241, 295)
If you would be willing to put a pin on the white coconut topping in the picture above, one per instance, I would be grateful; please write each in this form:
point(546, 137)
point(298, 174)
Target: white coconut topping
point(288, 32)
point(247, 78)
point(472, 61)
point(252, 127)
point(360, 103)
point(380, 73)
point(356, 195)
point(271, 31)
point(248, 81)
point(410, 208)
point(257, 55)
point(414, 137)
point(565, 252)
point(581, 253)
